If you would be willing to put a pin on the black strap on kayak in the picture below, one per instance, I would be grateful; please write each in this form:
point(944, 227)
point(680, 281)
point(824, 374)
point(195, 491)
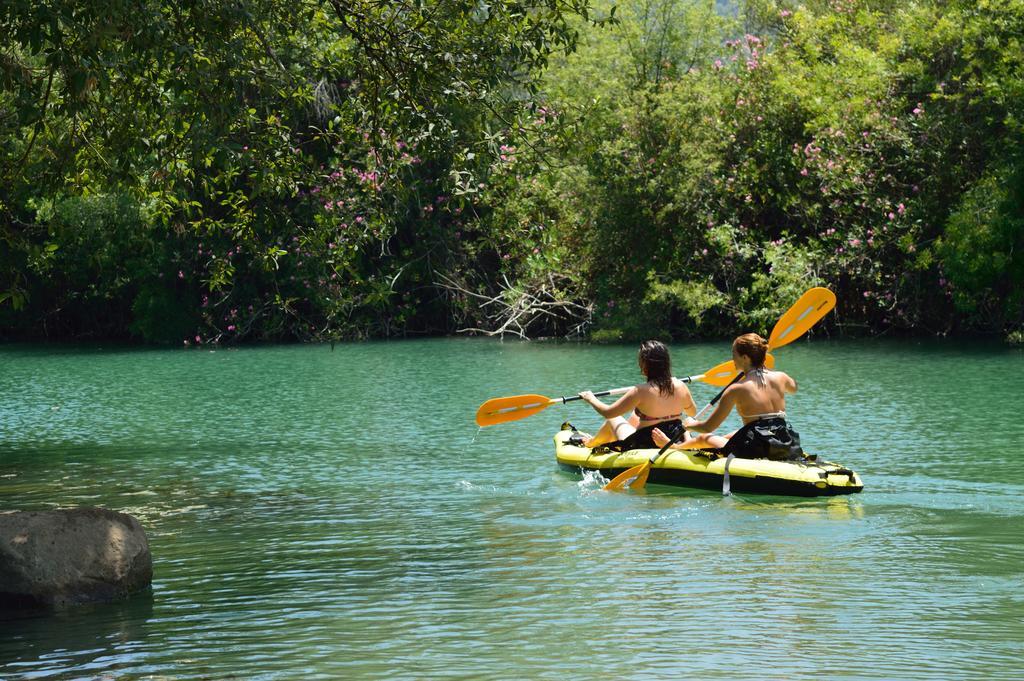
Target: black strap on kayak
point(725, 477)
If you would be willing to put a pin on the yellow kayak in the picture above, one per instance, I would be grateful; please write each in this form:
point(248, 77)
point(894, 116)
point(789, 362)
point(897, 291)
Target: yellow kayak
point(705, 469)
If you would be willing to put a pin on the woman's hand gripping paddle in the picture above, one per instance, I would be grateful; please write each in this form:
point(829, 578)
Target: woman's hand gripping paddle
point(504, 409)
point(797, 320)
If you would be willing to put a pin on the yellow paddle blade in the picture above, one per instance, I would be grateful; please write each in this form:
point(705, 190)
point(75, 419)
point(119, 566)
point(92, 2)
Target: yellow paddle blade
point(628, 477)
point(504, 409)
point(641, 479)
point(805, 312)
point(722, 374)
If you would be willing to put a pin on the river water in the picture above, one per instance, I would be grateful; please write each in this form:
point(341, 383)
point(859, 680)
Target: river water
point(325, 514)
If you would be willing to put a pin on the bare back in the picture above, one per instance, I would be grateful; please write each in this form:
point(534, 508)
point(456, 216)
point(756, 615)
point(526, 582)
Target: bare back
point(752, 399)
point(653, 407)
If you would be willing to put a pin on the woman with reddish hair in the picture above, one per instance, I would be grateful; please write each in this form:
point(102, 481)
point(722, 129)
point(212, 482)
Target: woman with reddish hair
point(760, 400)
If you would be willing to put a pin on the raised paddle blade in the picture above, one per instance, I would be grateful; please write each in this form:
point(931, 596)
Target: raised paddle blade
point(721, 375)
point(505, 409)
point(805, 312)
point(628, 477)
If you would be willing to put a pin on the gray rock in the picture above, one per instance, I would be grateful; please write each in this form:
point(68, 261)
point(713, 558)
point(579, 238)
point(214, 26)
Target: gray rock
point(54, 559)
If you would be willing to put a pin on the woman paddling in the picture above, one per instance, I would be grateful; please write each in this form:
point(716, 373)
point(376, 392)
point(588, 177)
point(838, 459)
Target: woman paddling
point(760, 400)
point(658, 403)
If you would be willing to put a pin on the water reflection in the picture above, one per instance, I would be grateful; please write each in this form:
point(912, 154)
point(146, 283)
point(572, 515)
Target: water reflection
point(90, 638)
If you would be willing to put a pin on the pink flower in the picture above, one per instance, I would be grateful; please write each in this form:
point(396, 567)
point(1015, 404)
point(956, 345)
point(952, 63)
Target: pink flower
point(901, 209)
point(181, 275)
point(231, 327)
point(804, 172)
point(855, 242)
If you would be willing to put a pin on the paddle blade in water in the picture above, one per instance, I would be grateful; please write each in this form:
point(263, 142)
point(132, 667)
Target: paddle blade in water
point(811, 307)
point(641, 479)
point(505, 409)
point(628, 477)
point(723, 374)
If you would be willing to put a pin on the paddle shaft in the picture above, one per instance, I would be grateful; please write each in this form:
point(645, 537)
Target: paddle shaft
point(618, 391)
point(710, 404)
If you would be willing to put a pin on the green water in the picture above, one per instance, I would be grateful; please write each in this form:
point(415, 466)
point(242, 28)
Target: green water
point(322, 515)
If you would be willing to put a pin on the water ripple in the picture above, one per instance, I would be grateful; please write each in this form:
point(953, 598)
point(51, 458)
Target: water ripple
point(323, 515)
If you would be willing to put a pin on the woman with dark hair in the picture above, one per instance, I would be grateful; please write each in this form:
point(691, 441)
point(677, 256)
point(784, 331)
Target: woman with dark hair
point(658, 403)
point(760, 400)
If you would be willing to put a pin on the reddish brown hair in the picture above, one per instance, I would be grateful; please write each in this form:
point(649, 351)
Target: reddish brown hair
point(753, 346)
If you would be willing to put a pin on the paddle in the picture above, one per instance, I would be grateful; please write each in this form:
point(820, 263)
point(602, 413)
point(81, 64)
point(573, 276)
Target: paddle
point(505, 409)
point(797, 320)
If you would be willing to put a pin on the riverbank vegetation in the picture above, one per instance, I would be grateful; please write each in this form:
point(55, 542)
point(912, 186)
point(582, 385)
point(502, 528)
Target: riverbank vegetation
point(260, 170)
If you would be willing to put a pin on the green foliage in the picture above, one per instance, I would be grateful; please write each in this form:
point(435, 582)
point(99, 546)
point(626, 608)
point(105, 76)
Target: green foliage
point(292, 159)
point(982, 250)
point(695, 297)
point(830, 148)
point(219, 172)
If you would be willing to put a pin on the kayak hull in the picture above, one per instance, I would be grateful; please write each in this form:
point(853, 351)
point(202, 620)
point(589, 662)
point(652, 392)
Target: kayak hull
point(706, 470)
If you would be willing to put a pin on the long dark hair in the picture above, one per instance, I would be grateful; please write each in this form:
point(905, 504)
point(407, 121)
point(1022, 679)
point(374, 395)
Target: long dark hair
point(656, 365)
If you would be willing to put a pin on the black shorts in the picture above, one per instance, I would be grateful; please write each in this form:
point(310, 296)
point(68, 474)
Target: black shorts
point(765, 439)
point(642, 438)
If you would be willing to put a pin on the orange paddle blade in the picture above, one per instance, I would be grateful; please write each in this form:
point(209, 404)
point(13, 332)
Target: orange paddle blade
point(805, 312)
point(628, 477)
point(504, 409)
point(722, 374)
point(641, 479)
